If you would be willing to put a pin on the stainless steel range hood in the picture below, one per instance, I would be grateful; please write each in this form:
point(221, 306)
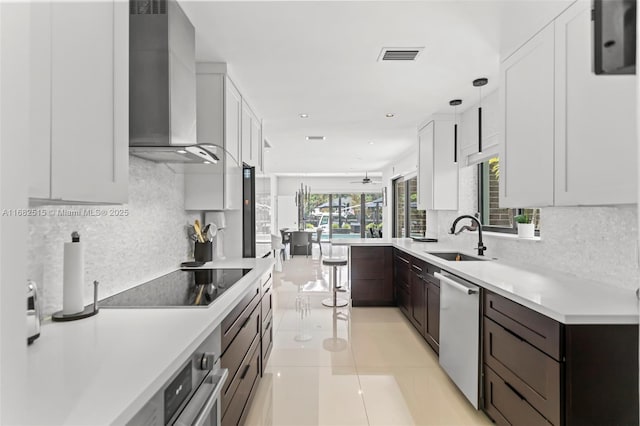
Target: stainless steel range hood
point(162, 84)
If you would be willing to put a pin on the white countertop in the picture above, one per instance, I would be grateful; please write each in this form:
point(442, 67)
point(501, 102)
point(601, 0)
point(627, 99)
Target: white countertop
point(563, 297)
point(103, 369)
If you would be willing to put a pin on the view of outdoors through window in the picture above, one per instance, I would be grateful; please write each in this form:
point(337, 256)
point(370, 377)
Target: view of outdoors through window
point(399, 208)
point(494, 217)
point(345, 215)
point(417, 218)
point(406, 213)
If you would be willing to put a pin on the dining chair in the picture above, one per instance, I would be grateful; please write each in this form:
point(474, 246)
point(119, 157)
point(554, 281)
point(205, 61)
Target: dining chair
point(286, 237)
point(278, 251)
point(317, 239)
point(298, 239)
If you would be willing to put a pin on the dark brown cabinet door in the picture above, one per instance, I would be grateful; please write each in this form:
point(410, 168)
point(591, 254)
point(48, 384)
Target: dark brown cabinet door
point(418, 299)
point(433, 314)
point(372, 276)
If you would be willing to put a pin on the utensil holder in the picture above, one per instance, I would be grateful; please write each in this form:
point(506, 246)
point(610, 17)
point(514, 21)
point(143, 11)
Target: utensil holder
point(203, 252)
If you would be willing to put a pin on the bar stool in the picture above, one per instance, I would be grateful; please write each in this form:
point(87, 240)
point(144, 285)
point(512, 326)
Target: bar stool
point(335, 262)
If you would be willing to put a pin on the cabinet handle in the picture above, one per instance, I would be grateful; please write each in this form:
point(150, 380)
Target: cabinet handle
point(403, 259)
point(244, 324)
point(513, 334)
point(455, 143)
point(515, 391)
point(246, 370)
point(417, 268)
point(480, 129)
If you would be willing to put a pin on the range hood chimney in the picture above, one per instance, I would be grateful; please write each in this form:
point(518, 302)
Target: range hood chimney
point(162, 84)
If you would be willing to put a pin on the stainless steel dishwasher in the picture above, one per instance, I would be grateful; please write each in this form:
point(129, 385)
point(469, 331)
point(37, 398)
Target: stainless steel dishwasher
point(460, 333)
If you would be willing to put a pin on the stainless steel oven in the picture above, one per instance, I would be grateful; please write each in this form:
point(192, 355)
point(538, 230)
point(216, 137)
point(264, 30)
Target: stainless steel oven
point(192, 395)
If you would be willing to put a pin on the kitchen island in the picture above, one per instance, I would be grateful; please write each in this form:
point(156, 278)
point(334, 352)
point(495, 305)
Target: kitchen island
point(103, 369)
point(557, 295)
point(555, 348)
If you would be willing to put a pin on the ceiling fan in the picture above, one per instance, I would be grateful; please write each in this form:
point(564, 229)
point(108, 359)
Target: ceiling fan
point(366, 179)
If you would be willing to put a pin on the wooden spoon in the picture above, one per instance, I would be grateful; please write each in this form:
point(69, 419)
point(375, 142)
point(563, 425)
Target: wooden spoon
point(196, 227)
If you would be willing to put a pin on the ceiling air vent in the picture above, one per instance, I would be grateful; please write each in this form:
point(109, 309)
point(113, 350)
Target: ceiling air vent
point(315, 138)
point(399, 53)
point(148, 7)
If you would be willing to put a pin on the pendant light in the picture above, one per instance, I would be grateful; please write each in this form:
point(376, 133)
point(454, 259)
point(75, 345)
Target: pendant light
point(454, 103)
point(479, 82)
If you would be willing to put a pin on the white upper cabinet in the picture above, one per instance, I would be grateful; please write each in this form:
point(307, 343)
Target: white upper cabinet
point(437, 172)
point(569, 135)
point(595, 150)
point(251, 137)
point(79, 112)
point(219, 115)
point(468, 130)
point(527, 105)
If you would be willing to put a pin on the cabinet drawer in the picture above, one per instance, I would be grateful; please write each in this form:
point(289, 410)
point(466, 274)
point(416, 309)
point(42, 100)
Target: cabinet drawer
point(376, 253)
point(233, 322)
point(505, 406)
point(542, 332)
point(266, 281)
point(533, 374)
point(233, 405)
point(401, 268)
point(267, 343)
point(233, 358)
point(266, 307)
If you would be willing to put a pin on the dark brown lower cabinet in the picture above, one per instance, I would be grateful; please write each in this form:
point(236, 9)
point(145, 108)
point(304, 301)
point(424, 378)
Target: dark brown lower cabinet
point(432, 328)
point(247, 341)
point(418, 295)
point(538, 371)
point(418, 298)
point(372, 276)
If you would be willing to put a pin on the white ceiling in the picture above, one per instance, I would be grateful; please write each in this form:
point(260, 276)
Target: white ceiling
point(320, 58)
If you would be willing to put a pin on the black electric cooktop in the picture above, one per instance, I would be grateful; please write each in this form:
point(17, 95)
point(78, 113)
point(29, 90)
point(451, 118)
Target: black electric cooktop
point(178, 289)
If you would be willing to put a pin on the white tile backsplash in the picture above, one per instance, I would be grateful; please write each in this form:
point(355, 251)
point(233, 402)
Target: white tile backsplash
point(595, 243)
point(120, 251)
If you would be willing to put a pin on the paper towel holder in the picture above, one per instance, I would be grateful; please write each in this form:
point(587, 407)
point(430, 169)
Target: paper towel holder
point(89, 310)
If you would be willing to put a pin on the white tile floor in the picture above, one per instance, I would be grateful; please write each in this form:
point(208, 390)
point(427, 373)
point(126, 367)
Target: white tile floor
point(349, 366)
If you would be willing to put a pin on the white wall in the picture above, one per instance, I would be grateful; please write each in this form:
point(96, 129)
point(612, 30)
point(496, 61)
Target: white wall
point(120, 251)
point(14, 140)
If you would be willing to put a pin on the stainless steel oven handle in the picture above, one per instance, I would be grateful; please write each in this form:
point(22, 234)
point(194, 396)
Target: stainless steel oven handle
point(196, 414)
point(460, 287)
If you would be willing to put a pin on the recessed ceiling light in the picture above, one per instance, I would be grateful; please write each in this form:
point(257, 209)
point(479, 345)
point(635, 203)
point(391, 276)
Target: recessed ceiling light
point(207, 162)
point(181, 151)
point(304, 115)
point(389, 115)
point(315, 138)
point(371, 143)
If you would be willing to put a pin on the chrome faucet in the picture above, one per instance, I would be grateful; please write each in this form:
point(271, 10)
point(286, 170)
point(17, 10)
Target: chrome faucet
point(476, 225)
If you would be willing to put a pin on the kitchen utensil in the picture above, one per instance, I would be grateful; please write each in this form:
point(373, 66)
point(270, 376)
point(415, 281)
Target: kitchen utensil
point(212, 231)
point(196, 227)
point(205, 232)
point(33, 312)
point(199, 296)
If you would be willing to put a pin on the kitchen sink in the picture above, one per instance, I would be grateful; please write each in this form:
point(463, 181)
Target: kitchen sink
point(455, 256)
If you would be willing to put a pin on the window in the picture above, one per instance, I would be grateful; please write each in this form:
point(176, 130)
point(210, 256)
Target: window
point(494, 218)
point(406, 213)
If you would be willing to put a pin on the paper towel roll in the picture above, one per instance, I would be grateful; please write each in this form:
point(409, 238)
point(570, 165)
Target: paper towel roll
point(73, 279)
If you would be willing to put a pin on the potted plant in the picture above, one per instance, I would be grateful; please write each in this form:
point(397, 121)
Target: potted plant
point(526, 229)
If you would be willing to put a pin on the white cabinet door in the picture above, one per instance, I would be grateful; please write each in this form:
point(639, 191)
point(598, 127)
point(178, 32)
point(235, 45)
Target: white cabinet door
point(247, 123)
point(437, 172)
point(256, 145)
point(468, 129)
point(88, 114)
point(527, 108)
point(595, 150)
point(233, 132)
